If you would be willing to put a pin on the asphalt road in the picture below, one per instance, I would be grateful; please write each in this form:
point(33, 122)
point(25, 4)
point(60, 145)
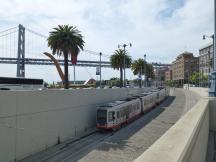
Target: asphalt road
point(128, 143)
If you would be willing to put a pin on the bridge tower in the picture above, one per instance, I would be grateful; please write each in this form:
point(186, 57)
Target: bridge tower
point(21, 52)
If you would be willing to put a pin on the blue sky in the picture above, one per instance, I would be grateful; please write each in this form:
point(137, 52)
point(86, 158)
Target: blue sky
point(171, 7)
point(162, 29)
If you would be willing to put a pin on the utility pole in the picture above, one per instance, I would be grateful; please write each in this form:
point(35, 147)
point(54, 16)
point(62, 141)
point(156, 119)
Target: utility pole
point(212, 91)
point(21, 52)
point(124, 63)
point(100, 68)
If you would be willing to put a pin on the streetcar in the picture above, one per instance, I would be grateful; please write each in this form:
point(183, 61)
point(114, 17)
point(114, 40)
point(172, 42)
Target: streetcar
point(113, 115)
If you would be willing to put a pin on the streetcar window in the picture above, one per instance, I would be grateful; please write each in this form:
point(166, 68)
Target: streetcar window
point(157, 95)
point(111, 115)
point(102, 116)
point(122, 112)
point(117, 114)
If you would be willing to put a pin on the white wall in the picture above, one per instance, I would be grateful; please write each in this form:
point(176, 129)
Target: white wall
point(32, 120)
point(203, 92)
point(213, 115)
point(186, 141)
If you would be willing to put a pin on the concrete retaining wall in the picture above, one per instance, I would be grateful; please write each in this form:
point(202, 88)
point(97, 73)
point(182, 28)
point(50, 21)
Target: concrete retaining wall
point(186, 141)
point(203, 92)
point(213, 115)
point(33, 120)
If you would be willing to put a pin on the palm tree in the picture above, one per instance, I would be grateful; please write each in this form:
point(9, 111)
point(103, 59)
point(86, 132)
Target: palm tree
point(117, 62)
point(138, 68)
point(68, 41)
point(141, 67)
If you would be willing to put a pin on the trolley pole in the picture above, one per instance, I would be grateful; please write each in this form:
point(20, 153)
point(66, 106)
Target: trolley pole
point(124, 63)
point(100, 68)
point(145, 81)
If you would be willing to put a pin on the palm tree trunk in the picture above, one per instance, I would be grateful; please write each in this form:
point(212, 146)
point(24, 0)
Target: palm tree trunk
point(66, 70)
point(121, 77)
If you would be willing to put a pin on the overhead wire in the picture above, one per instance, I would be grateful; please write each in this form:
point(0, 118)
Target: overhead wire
point(96, 53)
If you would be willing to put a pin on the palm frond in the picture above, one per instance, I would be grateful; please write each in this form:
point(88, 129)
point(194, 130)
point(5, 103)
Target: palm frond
point(65, 39)
point(117, 59)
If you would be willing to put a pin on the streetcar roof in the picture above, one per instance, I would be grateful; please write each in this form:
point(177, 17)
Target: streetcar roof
point(111, 104)
point(146, 94)
point(116, 103)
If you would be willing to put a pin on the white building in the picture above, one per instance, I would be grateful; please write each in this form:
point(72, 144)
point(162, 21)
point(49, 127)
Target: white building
point(205, 59)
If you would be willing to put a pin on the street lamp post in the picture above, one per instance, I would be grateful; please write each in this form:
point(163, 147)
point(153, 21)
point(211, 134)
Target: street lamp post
point(145, 81)
point(124, 47)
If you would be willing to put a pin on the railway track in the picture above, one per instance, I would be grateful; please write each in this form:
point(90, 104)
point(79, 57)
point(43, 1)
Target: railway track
point(75, 150)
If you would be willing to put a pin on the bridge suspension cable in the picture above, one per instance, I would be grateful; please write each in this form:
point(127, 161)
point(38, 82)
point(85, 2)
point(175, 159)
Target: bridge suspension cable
point(8, 29)
point(36, 33)
point(6, 39)
point(85, 50)
point(34, 46)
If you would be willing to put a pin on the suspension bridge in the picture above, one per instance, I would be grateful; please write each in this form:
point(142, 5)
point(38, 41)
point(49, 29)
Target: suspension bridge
point(22, 46)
